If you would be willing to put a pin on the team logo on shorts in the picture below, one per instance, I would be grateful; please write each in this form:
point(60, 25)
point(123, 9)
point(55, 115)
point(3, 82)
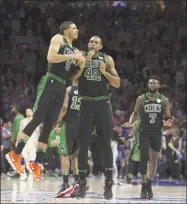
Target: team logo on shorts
point(158, 100)
point(62, 148)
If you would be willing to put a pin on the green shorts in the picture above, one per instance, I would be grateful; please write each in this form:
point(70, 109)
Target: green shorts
point(135, 153)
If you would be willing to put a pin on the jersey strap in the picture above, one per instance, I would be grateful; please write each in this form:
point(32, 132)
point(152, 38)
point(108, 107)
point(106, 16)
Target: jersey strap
point(97, 98)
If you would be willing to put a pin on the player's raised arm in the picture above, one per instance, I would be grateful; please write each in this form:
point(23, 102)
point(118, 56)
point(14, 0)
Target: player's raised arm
point(109, 71)
point(54, 57)
point(135, 114)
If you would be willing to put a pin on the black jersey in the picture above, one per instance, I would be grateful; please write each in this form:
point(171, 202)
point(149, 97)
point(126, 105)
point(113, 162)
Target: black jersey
point(63, 69)
point(151, 114)
point(92, 82)
point(73, 111)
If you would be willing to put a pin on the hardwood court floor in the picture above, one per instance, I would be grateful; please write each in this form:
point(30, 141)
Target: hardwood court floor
point(16, 191)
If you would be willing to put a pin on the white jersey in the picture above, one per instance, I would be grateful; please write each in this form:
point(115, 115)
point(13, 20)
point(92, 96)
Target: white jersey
point(35, 135)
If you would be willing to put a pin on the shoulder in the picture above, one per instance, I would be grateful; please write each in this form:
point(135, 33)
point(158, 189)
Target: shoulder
point(108, 58)
point(164, 99)
point(57, 39)
point(68, 89)
point(141, 97)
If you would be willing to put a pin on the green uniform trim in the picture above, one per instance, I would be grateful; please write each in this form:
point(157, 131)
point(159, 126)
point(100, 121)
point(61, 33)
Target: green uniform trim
point(135, 150)
point(40, 91)
point(62, 148)
point(97, 98)
point(54, 76)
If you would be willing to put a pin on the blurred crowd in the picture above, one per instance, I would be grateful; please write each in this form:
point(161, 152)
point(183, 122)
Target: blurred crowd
point(142, 39)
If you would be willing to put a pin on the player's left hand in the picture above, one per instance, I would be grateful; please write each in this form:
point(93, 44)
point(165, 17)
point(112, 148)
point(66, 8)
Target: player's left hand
point(102, 67)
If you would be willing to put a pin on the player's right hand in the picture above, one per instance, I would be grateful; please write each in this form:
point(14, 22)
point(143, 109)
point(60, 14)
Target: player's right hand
point(91, 53)
point(57, 142)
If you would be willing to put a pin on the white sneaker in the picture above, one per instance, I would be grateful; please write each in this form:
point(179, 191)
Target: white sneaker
point(30, 177)
point(23, 177)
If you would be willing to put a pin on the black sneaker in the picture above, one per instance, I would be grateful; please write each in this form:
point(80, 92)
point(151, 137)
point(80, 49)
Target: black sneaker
point(144, 191)
point(149, 189)
point(108, 190)
point(65, 189)
point(129, 180)
point(83, 187)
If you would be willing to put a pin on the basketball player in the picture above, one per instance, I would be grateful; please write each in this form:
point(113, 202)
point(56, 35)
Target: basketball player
point(134, 161)
point(29, 151)
point(150, 108)
point(68, 128)
point(94, 81)
point(62, 57)
point(16, 123)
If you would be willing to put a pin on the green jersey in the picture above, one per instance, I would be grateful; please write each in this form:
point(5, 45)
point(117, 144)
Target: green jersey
point(151, 114)
point(16, 125)
point(53, 136)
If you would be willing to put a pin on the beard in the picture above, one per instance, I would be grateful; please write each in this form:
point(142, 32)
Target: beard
point(153, 91)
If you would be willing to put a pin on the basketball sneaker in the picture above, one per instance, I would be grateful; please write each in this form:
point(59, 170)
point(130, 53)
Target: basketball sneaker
point(83, 187)
point(75, 189)
point(144, 191)
point(108, 190)
point(35, 169)
point(15, 161)
point(149, 189)
point(64, 191)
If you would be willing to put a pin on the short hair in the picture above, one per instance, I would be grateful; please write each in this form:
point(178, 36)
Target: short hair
point(17, 107)
point(154, 77)
point(97, 36)
point(64, 26)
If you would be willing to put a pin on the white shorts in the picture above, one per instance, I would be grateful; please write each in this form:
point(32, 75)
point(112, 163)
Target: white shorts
point(29, 151)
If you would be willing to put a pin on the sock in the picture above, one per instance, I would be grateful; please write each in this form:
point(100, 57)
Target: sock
point(20, 146)
point(82, 174)
point(39, 156)
point(76, 177)
point(109, 173)
point(66, 178)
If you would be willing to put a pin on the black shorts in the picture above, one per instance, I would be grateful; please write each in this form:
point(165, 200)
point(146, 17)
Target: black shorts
point(96, 113)
point(152, 139)
point(69, 140)
point(49, 98)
